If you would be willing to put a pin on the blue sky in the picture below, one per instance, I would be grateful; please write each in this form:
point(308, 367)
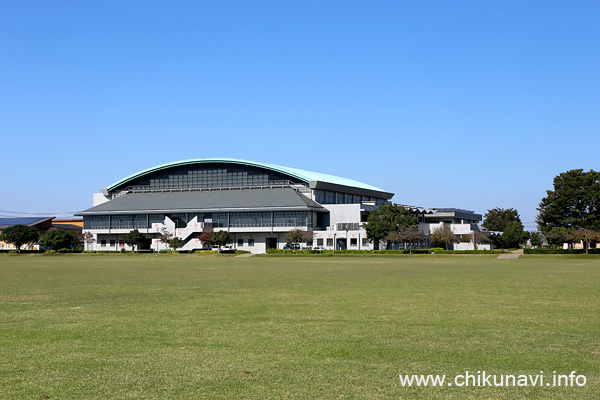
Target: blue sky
point(464, 104)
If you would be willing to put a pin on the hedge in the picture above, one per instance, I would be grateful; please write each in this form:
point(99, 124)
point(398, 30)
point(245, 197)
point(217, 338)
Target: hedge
point(560, 251)
point(435, 250)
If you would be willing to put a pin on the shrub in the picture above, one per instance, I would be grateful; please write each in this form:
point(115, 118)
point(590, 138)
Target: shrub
point(205, 251)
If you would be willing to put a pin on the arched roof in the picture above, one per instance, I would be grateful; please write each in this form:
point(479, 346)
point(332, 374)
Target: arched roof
point(306, 176)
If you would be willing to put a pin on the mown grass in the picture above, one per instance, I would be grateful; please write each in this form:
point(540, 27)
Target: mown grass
point(211, 327)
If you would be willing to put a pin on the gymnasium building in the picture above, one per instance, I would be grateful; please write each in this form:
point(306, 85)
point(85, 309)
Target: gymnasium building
point(256, 203)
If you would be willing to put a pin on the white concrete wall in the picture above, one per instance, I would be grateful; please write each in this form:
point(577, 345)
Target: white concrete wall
point(470, 246)
point(457, 229)
point(99, 198)
point(340, 213)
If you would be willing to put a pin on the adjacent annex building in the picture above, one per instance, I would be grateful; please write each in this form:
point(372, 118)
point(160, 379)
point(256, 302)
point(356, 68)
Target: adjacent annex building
point(257, 203)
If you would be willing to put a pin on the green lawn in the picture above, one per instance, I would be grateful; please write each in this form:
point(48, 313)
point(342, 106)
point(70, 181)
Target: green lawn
point(217, 327)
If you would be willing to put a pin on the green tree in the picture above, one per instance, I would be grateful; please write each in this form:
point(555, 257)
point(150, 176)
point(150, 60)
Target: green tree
point(134, 238)
point(514, 235)
point(386, 219)
point(56, 239)
point(219, 238)
point(444, 235)
point(536, 239)
point(19, 235)
point(176, 243)
point(574, 203)
point(558, 235)
point(496, 219)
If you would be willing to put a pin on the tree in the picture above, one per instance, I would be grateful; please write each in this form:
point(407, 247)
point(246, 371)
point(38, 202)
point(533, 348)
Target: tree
point(586, 236)
point(411, 235)
point(19, 235)
point(408, 235)
point(387, 218)
point(219, 238)
point(88, 238)
point(298, 236)
point(574, 203)
point(56, 239)
point(558, 235)
point(164, 237)
point(536, 239)
point(496, 219)
point(204, 238)
point(477, 238)
point(176, 243)
point(514, 235)
point(134, 238)
point(443, 234)
point(480, 238)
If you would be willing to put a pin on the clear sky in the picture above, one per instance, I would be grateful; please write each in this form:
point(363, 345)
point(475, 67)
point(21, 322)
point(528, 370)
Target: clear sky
point(468, 104)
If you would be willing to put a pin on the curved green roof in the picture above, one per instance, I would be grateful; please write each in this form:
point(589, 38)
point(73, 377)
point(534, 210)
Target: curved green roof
point(306, 176)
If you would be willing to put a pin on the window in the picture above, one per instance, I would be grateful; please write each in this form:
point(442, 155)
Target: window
point(103, 243)
point(112, 243)
point(95, 222)
point(320, 242)
point(329, 242)
point(353, 241)
point(155, 219)
point(329, 197)
point(290, 218)
point(365, 242)
point(240, 242)
point(319, 196)
point(180, 220)
point(255, 219)
point(206, 178)
point(250, 242)
point(120, 243)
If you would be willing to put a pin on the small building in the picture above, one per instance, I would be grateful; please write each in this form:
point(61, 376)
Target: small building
point(463, 223)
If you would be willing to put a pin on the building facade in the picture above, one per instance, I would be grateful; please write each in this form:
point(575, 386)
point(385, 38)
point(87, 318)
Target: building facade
point(256, 203)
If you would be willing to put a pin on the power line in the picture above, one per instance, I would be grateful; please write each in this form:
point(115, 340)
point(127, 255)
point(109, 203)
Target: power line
point(34, 213)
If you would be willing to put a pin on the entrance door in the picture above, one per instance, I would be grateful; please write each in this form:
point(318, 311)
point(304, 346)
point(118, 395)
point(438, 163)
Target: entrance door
point(271, 243)
point(341, 244)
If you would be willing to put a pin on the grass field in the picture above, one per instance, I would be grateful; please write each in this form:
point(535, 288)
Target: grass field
point(216, 327)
